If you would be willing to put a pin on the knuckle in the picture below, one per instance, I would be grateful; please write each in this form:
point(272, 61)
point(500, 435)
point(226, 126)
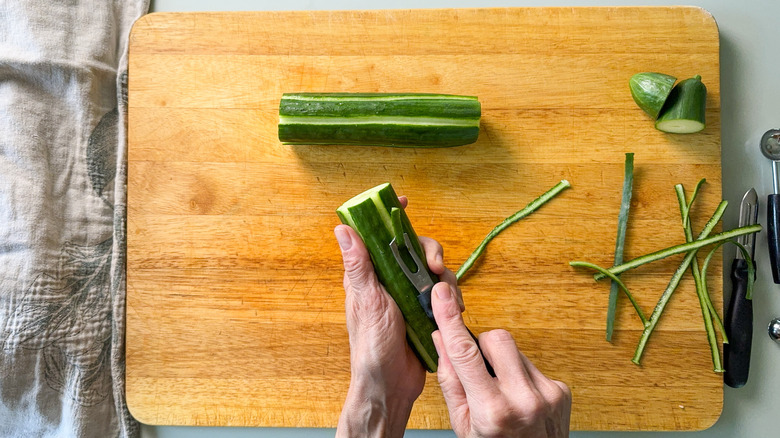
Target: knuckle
point(446, 379)
point(498, 337)
point(462, 349)
point(498, 418)
point(352, 265)
point(536, 409)
point(565, 393)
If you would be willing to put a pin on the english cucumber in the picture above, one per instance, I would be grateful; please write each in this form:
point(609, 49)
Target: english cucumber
point(683, 112)
point(375, 215)
point(379, 119)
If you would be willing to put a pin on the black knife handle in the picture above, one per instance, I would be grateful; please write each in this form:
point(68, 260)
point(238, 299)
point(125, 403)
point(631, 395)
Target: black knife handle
point(739, 328)
point(773, 225)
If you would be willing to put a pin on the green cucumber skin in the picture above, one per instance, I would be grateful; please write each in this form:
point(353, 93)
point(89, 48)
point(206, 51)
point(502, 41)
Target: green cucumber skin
point(365, 219)
point(687, 101)
point(444, 120)
point(442, 106)
point(378, 135)
point(650, 91)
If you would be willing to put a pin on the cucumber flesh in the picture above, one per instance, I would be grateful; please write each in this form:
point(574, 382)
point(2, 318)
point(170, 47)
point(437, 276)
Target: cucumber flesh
point(379, 119)
point(684, 110)
point(375, 215)
point(650, 90)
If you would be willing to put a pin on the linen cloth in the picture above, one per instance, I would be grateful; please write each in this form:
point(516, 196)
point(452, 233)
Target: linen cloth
point(62, 217)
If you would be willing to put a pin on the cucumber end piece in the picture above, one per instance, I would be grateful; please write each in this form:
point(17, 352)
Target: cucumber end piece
point(357, 199)
point(650, 91)
point(679, 126)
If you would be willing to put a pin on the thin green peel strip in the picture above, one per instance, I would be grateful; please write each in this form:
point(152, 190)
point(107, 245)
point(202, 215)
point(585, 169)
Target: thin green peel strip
point(620, 240)
point(530, 208)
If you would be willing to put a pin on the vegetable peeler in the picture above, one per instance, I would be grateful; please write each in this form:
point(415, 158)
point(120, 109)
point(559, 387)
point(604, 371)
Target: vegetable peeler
point(739, 316)
point(423, 282)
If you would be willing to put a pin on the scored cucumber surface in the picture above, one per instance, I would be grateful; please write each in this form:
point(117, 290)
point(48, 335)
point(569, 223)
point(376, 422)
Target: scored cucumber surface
point(371, 214)
point(650, 90)
point(684, 110)
point(379, 119)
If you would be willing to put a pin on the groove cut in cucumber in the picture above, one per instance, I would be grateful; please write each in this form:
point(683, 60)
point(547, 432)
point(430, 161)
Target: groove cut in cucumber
point(376, 215)
point(379, 119)
point(650, 91)
point(684, 110)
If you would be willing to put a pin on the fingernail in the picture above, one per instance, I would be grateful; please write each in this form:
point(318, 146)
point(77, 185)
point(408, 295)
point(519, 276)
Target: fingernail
point(443, 291)
point(345, 241)
point(454, 292)
point(436, 338)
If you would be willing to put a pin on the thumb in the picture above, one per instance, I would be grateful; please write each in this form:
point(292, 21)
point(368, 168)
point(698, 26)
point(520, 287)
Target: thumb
point(358, 269)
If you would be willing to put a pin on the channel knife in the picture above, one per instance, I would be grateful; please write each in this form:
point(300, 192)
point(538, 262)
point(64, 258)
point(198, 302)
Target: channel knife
point(739, 316)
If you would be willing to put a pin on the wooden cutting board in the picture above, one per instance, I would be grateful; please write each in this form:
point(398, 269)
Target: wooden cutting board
point(235, 303)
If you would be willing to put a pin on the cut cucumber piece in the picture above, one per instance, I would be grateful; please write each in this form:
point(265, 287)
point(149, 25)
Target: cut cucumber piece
point(375, 215)
point(379, 119)
point(683, 112)
point(650, 90)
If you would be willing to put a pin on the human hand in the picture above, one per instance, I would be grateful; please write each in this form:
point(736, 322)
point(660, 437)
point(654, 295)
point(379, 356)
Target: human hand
point(519, 402)
point(386, 376)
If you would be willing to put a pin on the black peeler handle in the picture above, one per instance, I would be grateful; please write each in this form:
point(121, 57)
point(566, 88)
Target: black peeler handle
point(773, 225)
point(739, 329)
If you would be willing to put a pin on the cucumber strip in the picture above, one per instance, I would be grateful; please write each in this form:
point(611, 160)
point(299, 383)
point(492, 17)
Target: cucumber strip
point(687, 214)
point(650, 90)
point(616, 281)
point(681, 248)
point(701, 293)
point(375, 120)
point(398, 229)
point(684, 110)
point(530, 208)
point(379, 119)
point(620, 241)
point(706, 293)
point(674, 282)
point(370, 215)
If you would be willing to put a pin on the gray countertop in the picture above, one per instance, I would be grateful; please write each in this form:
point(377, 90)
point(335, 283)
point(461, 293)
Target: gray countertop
point(750, 104)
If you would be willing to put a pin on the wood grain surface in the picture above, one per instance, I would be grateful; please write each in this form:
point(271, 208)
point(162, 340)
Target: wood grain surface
point(235, 303)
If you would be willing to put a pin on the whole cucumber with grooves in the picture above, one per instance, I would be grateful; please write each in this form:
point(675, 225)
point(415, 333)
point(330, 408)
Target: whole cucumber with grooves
point(684, 110)
point(374, 215)
point(379, 119)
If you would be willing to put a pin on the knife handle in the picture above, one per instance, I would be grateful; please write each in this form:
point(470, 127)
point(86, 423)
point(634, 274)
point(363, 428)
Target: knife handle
point(739, 328)
point(487, 364)
point(773, 225)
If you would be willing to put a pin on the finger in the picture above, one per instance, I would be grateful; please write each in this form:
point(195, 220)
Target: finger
point(500, 350)
point(554, 392)
point(450, 278)
point(403, 200)
point(451, 388)
point(434, 254)
point(461, 349)
point(358, 269)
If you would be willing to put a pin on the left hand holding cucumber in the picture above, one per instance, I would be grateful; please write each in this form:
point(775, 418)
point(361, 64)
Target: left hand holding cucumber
point(386, 376)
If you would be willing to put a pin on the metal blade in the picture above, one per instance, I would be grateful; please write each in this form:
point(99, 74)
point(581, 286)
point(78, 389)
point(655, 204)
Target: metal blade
point(420, 278)
point(748, 215)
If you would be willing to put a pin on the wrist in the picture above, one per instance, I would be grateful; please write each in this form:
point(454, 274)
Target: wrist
point(370, 410)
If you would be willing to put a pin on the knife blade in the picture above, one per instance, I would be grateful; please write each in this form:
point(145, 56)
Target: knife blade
point(423, 282)
point(739, 316)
